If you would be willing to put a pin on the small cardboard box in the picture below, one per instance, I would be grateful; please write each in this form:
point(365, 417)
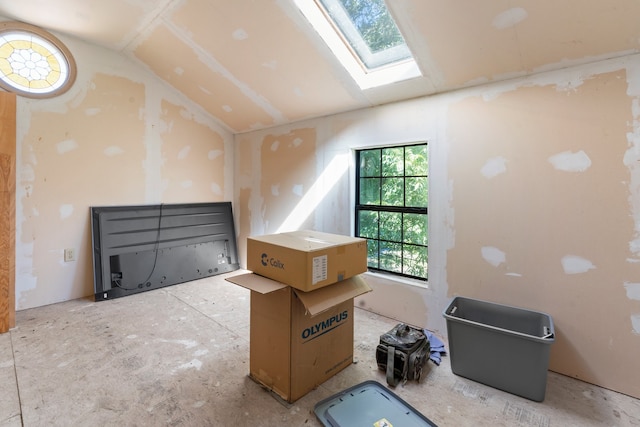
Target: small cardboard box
point(307, 260)
point(298, 340)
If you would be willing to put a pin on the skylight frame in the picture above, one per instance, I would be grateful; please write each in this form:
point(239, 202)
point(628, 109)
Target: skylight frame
point(340, 47)
point(370, 60)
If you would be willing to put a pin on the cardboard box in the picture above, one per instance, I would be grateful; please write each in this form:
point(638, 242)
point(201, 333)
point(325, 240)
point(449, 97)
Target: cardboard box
point(307, 260)
point(298, 340)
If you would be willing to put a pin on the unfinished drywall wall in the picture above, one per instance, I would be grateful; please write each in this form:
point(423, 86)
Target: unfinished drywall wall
point(286, 161)
point(277, 172)
point(194, 157)
point(118, 137)
point(534, 202)
point(541, 201)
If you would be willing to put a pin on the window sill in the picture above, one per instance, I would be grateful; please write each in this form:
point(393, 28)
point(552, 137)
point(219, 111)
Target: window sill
point(404, 280)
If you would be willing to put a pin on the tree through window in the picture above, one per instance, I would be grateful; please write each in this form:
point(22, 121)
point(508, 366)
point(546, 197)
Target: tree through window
point(391, 208)
point(369, 29)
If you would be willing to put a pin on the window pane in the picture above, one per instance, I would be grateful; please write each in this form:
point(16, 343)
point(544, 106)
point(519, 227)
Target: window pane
point(370, 191)
point(415, 260)
point(415, 229)
point(391, 226)
point(393, 161)
point(392, 212)
point(392, 192)
point(417, 192)
point(370, 163)
point(372, 253)
point(416, 160)
point(374, 23)
point(368, 224)
point(390, 256)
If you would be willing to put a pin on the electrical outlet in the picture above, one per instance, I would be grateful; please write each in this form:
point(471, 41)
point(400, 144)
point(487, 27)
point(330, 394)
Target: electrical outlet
point(69, 255)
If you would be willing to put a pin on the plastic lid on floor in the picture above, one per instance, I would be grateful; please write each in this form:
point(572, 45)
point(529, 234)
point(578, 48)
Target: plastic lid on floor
point(368, 404)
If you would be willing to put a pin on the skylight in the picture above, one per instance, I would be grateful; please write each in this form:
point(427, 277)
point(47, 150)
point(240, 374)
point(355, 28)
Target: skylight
point(364, 37)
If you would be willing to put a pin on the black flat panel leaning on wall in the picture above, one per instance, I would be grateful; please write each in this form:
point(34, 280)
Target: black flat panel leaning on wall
point(140, 248)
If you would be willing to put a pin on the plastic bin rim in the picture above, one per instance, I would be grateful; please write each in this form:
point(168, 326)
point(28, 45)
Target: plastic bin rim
point(546, 339)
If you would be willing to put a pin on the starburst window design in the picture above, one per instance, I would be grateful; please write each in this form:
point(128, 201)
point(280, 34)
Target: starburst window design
point(33, 62)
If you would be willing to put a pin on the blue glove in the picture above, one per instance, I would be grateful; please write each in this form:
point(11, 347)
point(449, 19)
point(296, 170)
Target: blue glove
point(437, 347)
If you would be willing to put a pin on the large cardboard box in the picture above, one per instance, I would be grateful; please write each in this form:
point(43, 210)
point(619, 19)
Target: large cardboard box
point(298, 340)
point(307, 260)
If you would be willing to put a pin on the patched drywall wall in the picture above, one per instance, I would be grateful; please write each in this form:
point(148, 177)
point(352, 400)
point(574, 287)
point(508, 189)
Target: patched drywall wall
point(534, 202)
point(118, 137)
point(70, 159)
point(275, 174)
point(286, 162)
point(541, 201)
point(193, 157)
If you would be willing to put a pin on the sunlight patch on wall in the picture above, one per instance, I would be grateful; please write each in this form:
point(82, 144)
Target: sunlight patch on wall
point(334, 171)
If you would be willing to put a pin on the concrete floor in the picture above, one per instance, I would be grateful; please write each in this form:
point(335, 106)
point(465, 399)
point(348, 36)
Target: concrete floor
point(179, 356)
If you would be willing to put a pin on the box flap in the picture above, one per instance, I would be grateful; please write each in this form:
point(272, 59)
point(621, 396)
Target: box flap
point(306, 240)
point(257, 283)
point(324, 298)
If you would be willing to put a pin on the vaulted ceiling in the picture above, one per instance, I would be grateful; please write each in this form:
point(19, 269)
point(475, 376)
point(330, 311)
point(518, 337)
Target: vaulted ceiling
point(258, 63)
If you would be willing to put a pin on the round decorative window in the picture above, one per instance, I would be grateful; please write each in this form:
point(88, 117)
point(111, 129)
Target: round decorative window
point(33, 62)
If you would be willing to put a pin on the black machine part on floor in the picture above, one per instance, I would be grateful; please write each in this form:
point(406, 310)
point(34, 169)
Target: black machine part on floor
point(140, 248)
point(368, 404)
point(402, 353)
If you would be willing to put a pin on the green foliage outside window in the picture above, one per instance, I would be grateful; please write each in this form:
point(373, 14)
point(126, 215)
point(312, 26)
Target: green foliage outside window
point(374, 23)
point(369, 31)
point(391, 208)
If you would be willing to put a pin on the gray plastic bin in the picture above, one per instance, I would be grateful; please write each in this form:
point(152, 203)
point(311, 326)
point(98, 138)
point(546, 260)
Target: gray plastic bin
point(500, 346)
